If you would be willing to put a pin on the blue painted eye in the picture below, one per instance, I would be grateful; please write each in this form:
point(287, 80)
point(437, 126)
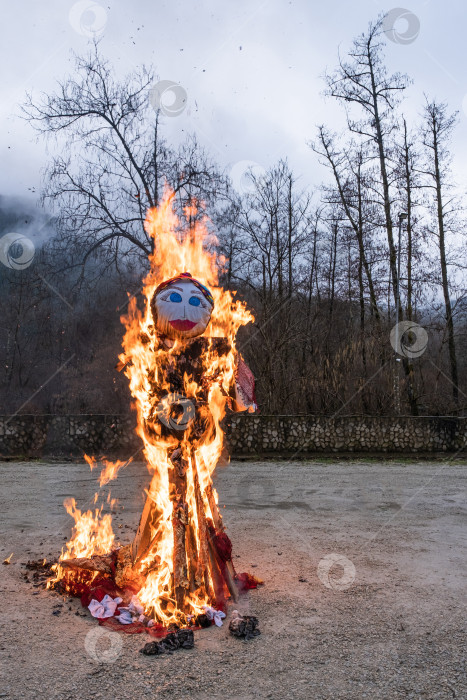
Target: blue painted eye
point(195, 301)
point(175, 296)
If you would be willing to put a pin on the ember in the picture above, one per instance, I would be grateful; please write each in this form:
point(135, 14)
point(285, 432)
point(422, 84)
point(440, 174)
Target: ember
point(183, 379)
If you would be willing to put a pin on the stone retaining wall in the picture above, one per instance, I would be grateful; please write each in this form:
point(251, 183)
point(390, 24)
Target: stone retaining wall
point(308, 434)
point(35, 436)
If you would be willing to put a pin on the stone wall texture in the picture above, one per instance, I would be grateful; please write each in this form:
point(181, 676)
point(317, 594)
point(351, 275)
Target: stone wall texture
point(46, 435)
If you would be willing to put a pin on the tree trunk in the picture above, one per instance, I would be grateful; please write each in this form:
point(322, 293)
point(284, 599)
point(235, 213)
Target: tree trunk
point(444, 271)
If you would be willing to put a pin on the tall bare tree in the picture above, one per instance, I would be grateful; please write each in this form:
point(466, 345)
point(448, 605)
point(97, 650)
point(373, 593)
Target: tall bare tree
point(436, 132)
point(362, 80)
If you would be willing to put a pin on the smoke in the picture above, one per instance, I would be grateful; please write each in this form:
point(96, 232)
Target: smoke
point(26, 217)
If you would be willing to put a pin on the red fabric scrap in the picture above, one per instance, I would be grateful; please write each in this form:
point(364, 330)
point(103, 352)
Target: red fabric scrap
point(223, 547)
point(116, 626)
point(98, 589)
point(246, 380)
point(247, 581)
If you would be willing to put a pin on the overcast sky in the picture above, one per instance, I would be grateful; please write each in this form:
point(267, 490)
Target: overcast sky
point(251, 69)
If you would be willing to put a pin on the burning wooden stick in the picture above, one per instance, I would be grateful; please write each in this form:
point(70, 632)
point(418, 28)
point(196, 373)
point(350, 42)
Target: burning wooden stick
point(148, 521)
point(98, 563)
point(216, 516)
point(192, 555)
point(217, 520)
point(219, 526)
point(202, 572)
point(177, 481)
point(180, 576)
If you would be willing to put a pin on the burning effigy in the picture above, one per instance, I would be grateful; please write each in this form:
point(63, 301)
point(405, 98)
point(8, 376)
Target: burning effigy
point(185, 373)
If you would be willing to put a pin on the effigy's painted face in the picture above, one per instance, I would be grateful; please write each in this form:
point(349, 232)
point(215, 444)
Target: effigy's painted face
point(181, 310)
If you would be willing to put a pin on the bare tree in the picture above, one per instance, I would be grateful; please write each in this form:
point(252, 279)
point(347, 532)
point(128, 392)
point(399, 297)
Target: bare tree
point(113, 162)
point(267, 229)
point(347, 169)
point(436, 134)
point(362, 80)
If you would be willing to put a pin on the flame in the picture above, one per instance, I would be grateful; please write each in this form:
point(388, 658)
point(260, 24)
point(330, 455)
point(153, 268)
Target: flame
point(176, 248)
point(110, 470)
point(91, 461)
point(91, 534)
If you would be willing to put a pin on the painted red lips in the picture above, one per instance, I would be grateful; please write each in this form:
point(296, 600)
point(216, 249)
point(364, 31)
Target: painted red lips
point(184, 325)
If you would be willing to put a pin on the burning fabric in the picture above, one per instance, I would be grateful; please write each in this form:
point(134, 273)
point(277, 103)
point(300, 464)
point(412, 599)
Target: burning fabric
point(184, 378)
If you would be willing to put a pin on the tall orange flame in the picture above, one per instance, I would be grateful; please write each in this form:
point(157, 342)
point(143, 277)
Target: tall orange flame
point(176, 249)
